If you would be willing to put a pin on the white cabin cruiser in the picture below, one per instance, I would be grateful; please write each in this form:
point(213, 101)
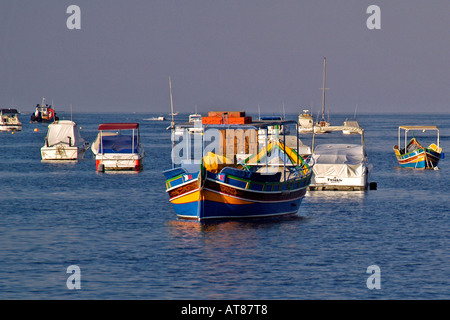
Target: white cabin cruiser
point(9, 120)
point(64, 142)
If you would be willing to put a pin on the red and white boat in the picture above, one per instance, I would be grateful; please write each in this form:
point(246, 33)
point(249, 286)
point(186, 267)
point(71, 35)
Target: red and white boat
point(118, 147)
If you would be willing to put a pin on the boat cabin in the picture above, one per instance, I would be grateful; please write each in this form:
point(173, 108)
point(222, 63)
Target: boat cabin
point(9, 120)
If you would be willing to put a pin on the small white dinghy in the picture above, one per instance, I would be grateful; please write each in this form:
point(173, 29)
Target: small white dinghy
point(64, 142)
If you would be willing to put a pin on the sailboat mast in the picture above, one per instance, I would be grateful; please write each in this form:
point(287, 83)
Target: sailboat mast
point(171, 100)
point(172, 124)
point(323, 88)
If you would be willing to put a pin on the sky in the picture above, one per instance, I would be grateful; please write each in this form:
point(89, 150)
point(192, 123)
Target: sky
point(226, 55)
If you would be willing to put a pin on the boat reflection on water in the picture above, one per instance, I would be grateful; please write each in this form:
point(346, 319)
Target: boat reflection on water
point(338, 194)
point(333, 198)
point(188, 228)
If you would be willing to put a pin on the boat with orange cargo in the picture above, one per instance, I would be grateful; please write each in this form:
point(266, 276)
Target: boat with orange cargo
point(235, 176)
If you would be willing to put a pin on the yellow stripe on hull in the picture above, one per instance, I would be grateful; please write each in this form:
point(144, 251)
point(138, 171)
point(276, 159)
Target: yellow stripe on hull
point(189, 197)
point(414, 159)
point(210, 196)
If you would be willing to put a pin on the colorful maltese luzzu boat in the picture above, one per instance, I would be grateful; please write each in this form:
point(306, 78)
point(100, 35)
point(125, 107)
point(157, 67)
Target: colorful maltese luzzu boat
point(414, 155)
point(236, 176)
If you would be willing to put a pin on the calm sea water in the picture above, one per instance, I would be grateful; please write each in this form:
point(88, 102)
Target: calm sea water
point(123, 234)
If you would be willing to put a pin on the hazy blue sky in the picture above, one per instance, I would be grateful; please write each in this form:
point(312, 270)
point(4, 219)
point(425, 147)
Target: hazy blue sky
point(226, 54)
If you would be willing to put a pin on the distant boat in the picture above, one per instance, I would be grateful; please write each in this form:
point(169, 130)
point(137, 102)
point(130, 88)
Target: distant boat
point(64, 142)
point(414, 155)
point(270, 180)
point(9, 120)
point(160, 118)
point(276, 129)
point(321, 126)
point(193, 126)
point(305, 122)
point(195, 119)
point(352, 127)
point(174, 114)
point(118, 147)
point(342, 166)
point(44, 113)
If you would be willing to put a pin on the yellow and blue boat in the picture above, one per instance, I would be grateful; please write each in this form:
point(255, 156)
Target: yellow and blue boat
point(414, 155)
point(239, 178)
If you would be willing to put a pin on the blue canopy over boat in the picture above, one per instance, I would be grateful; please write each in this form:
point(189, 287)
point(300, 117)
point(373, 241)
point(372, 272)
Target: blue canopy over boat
point(119, 144)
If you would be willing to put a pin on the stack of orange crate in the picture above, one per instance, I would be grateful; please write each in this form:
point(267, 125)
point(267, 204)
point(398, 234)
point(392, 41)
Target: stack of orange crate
point(226, 117)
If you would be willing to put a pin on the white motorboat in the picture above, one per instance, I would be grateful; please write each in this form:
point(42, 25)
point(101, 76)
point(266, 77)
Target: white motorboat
point(160, 118)
point(340, 166)
point(305, 122)
point(195, 119)
point(118, 147)
point(64, 142)
point(9, 120)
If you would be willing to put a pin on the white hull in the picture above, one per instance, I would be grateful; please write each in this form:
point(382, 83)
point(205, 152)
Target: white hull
point(119, 162)
point(305, 130)
point(10, 127)
point(62, 152)
point(333, 182)
point(349, 132)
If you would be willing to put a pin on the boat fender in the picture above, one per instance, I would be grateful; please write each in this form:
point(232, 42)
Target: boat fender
point(101, 167)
